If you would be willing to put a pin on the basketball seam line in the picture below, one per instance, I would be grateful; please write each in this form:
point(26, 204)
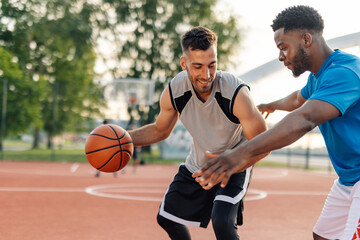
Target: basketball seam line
point(121, 161)
point(98, 150)
point(95, 134)
point(112, 157)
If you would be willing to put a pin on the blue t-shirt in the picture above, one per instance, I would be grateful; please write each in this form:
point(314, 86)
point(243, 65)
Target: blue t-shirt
point(338, 83)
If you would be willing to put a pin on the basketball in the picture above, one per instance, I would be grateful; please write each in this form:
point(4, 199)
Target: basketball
point(109, 148)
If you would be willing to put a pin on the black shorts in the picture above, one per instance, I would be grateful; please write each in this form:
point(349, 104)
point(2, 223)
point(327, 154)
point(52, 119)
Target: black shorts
point(186, 202)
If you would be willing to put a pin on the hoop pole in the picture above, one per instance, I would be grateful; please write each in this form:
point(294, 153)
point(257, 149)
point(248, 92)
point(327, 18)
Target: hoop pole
point(3, 117)
point(53, 130)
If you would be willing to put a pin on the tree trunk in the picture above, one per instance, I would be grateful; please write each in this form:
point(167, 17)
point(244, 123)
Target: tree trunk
point(36, 141)
point(49, 141)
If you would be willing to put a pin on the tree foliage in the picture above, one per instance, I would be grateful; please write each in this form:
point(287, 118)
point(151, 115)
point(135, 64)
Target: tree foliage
point(22, 106)
point(147, 37)
point(57, 42)
point(52, 41)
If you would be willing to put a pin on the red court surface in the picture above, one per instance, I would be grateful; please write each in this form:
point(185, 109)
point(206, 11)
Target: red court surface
point(64, 201)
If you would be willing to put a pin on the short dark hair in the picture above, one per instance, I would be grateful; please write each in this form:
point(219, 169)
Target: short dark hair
point(299, 17)
point(198, 38)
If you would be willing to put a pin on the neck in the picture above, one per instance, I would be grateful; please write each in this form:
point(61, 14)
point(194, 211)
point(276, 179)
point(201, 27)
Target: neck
point(203, 96)
point(319, 56)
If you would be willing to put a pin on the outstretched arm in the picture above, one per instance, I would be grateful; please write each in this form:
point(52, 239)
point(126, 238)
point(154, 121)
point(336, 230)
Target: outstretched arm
point(288, 130)
point(288, 103)
point(161, 128)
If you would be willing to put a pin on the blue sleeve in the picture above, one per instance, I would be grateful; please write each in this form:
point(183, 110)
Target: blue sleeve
point(306, 91)
point(339, 87)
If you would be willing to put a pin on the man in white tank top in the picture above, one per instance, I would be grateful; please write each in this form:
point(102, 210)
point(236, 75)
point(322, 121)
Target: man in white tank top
point(218, 111)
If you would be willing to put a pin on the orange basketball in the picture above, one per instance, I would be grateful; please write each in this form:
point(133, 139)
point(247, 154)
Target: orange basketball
point(109, 148)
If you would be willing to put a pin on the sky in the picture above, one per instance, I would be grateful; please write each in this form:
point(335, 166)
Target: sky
point(258, 47)
point(256, 16)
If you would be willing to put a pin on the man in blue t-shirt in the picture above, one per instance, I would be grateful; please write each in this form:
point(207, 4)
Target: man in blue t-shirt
point(330, 100)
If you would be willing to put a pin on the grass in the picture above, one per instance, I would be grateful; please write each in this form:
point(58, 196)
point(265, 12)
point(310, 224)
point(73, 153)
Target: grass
point(17, 150)
point(73, 155)
point(16, 143)
point(62, 155)
point(78, 155)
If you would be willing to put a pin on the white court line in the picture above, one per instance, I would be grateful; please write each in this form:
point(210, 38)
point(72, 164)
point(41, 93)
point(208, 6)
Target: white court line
point(105, 191)
point(102, 191)
point(32, 189)
point(74, 167)
point(41, 173)
point(258, 195)
point(301, 193)
point(135, 191)
point(112, 190)
point(319, 173)
point(91, 172)
point(274, 174)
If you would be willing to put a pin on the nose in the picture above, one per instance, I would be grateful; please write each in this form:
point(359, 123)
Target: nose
point(281, 56)
point(205, 73)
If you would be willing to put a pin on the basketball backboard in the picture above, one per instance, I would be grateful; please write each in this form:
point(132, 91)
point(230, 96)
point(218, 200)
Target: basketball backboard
point(131, 90)
point(122, 93)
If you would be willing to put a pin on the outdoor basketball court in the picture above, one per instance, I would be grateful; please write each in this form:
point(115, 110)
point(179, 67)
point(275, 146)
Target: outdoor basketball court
point(63, 201)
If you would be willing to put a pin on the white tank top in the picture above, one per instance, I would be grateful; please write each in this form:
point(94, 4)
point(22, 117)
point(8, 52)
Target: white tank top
point(211, 124)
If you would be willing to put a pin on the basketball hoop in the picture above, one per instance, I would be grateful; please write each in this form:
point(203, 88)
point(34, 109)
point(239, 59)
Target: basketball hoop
point(122, 94)
point(132, 102)
point(132, 98)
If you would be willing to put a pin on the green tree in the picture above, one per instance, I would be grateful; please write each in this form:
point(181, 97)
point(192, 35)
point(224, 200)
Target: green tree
point(147, 37)
point(147, 33)
point(22, 107)
point(53, 41)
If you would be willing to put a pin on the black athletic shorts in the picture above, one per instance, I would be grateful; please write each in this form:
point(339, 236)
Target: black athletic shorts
point(187, 203)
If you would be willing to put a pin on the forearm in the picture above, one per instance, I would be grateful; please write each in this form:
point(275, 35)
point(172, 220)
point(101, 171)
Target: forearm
point(220, 169)
point(288, 130)
point(288, 103)
point(147, 135)
point(257, 158)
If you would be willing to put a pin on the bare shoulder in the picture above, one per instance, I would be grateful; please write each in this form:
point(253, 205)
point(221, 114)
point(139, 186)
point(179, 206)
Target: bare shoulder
point(165, 100)
point(243, 97)
point(244, 107)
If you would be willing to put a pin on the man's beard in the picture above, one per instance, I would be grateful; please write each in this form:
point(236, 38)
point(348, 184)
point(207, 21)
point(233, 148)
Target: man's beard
point(301, 62)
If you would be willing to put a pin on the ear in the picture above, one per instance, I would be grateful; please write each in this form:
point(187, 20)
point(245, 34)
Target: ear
point(183, 63)
point(307, 39)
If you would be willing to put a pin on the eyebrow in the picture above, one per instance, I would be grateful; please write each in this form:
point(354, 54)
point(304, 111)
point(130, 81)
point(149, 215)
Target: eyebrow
point(195, 63)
